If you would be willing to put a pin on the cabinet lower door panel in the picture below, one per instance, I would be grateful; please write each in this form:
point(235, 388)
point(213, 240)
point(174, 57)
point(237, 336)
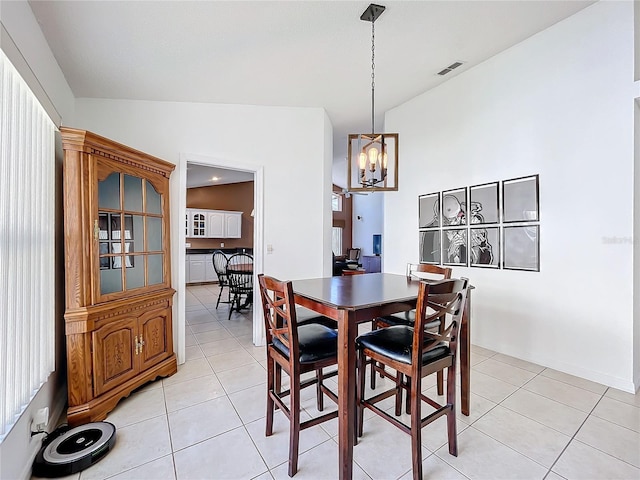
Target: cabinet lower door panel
point(156, 337)
point(114, 354)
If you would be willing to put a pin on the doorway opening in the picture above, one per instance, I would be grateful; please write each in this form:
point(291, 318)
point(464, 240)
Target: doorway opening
point(180, 240)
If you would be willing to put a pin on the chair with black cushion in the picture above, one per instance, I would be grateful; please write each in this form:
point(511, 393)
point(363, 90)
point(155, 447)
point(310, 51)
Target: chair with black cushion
point(240, 277)
point(295, 349)
point(415, 352)
point(414, 272)
point(220, 266)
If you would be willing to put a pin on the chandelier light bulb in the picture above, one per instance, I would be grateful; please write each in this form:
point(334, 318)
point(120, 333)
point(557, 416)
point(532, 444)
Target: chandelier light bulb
point(373, 158)
point(383, 159)
point(363, 160)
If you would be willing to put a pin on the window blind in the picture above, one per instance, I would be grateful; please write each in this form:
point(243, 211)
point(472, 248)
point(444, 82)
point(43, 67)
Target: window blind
point(27, 323)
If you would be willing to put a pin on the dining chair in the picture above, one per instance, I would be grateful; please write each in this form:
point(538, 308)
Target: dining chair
point(220, 266)
point(295, 349)
point(353, 256)
point(414, 272)
point(240, 277)
point(415, 352)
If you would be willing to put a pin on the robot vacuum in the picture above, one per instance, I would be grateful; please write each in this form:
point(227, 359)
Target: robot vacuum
point(73, 450)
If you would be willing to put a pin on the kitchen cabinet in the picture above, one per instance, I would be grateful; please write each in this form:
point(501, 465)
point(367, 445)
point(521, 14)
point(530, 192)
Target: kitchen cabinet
point(213, 224)
point(197, 221)
point(118, 324)
point(200, 268)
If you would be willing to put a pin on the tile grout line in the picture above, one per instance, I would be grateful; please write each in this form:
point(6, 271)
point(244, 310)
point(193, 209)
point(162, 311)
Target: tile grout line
point(576, 433)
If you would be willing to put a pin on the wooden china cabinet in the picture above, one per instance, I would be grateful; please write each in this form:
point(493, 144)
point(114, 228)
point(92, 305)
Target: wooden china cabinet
point(118, 272)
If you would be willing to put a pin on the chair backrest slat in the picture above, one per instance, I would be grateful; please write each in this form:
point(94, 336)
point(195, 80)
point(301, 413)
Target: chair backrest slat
point(220, 263)
point(447, 300)
point(415, 269)
point(278, 307)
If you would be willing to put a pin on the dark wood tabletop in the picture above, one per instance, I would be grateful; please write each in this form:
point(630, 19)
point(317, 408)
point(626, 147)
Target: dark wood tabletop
point(354, 299)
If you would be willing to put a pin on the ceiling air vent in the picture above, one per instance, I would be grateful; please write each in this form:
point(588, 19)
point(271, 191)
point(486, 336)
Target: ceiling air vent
point(449, 68)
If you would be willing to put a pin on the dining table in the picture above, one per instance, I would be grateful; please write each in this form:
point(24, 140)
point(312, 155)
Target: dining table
point(351, 300)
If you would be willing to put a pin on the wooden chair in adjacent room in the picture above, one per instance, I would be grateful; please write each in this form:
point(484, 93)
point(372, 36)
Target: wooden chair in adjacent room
point(294, 349)
point(415, 352)
point(414, 272)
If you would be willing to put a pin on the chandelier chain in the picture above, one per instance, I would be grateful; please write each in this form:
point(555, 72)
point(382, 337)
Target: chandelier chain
point(373, 74)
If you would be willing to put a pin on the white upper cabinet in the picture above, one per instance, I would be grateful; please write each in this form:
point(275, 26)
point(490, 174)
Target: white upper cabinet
point(216, 225)
point(233, 224)
point(213, 224)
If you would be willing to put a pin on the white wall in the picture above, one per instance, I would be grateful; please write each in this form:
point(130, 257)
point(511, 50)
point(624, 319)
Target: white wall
point(559, 104)
point(370, 208)
point(18, 449)
point(636, 240)
point(278, 138)
point(295, 179)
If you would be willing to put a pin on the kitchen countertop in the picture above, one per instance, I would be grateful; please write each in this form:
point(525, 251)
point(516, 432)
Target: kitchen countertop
point(198, 251)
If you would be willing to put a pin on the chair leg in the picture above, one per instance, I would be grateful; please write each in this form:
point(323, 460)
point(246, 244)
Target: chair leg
point(416, 430)
point(319, 394)
point(440, 382)
point(399, 377)
point(278, 380)
point(220, 293)
point(374, 326)
point(408, 405)
point(294, 423)
point(362, 365)
point(452, 432)
point(270, 403)
point(231, 303)
point(440, 373)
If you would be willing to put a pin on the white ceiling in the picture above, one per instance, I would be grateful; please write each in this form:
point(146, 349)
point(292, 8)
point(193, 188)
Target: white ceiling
point(201, 176)
point(286, 53)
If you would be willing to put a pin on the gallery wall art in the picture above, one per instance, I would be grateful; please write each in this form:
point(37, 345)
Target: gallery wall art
point(492, 225)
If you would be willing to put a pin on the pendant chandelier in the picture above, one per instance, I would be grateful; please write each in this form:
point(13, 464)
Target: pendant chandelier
point(372, 157)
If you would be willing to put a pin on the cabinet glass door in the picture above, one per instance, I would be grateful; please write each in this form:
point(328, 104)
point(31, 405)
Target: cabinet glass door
point(130, 236)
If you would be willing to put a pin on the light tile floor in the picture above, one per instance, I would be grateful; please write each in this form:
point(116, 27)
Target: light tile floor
point(207, 421)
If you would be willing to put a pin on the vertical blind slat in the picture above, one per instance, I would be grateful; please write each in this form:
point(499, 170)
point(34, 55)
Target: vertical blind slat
point(27, 217)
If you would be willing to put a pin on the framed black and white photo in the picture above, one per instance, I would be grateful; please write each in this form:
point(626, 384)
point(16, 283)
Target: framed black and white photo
point(484, 206)
point(521, 248)
point(430, 246)
point(484, 248)
point(520, 200)
point(454, 207)
point(454, 246)
point(429, 210)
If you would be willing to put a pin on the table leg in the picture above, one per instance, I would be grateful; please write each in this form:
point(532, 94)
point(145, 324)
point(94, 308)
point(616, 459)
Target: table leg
point(346, 393)
point(465, 356)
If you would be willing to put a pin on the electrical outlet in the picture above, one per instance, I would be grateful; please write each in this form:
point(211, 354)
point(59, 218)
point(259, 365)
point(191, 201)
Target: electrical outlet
point(221, 244)
point(40, 420)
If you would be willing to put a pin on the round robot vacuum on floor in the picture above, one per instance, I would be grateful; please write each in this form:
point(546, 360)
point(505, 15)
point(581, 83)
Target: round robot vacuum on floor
point(73, 450)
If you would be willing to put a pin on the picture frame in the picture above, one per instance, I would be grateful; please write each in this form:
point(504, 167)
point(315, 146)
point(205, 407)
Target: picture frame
point(105, 262)
point(520, 200)
point(484, 251)
point(430, 241)
point(521, 245)
point(484, 204)
point(454, 246)
point(429, 210)
point(453, 207)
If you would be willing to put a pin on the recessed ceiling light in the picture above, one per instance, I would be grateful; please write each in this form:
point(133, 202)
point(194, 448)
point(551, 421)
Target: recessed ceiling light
point(215, 179)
